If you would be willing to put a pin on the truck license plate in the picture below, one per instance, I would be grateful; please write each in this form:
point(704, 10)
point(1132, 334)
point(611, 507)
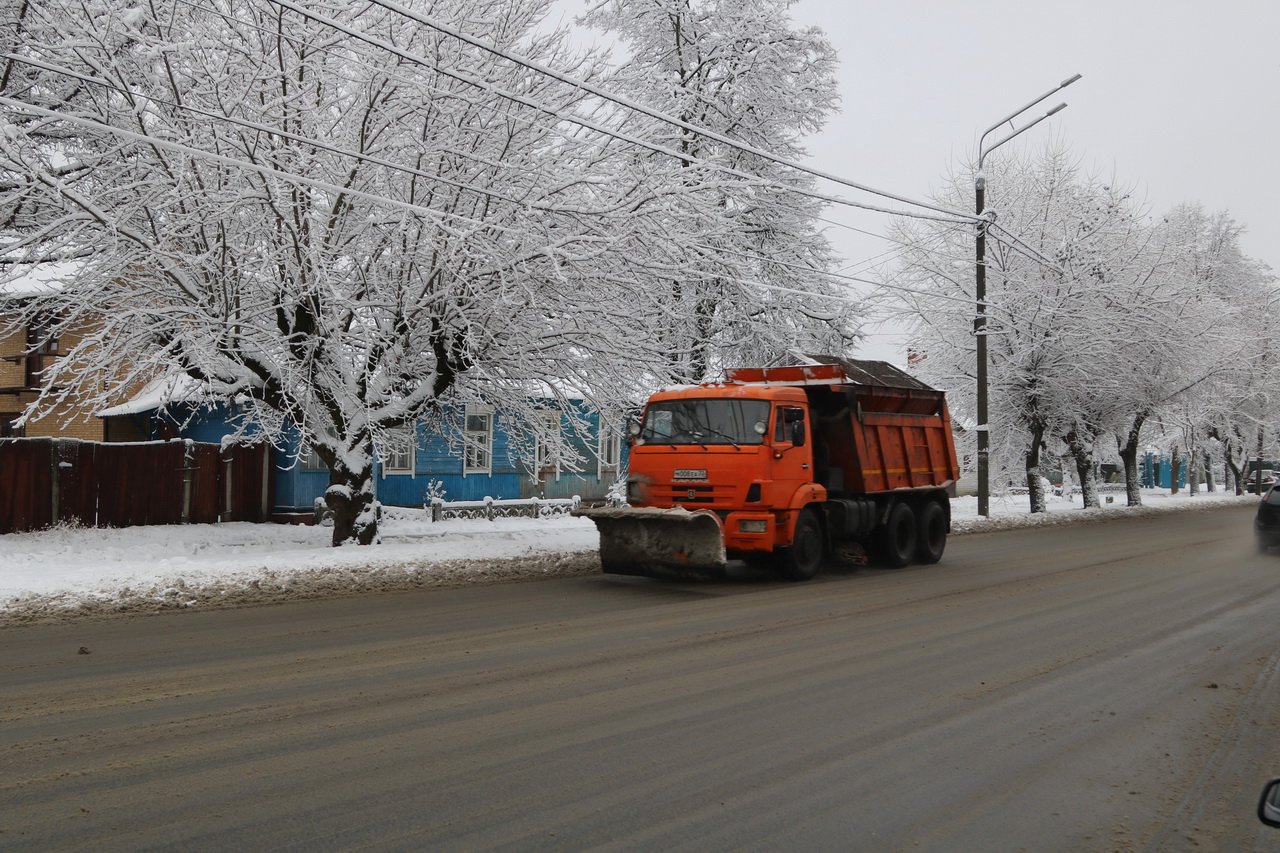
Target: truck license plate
point(690, 474)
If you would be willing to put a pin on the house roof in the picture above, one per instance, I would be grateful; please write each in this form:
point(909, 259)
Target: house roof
point(38, 279)
point(158, 393)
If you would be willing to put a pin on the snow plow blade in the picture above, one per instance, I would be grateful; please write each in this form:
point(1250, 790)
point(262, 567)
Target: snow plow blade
point(654, 542)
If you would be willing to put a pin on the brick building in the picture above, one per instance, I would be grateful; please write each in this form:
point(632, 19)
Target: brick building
point(27, 349)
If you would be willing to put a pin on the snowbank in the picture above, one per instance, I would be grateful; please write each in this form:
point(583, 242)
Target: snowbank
point(70, 572)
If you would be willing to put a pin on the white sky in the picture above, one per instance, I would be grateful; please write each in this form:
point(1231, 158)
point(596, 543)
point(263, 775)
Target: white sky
point(1180, 99)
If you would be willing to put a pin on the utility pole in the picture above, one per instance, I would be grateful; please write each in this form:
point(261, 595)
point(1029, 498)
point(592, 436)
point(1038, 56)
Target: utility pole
point(980, 289)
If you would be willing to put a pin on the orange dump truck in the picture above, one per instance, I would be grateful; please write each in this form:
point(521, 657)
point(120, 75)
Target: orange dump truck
point(780, 465)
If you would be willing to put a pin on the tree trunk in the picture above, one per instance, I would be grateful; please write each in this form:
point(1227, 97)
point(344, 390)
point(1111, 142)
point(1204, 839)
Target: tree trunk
point(1129, 455)
point(1035, 482)
point(1235, 470)
point(1209, 483)
point(1257, 471)
point(1081, 447)
point(1193, 467)
point(1175, 464)
point(355, 513)
point(1231, 478)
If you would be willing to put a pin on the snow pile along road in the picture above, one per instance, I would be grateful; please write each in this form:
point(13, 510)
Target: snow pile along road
point(68, 572)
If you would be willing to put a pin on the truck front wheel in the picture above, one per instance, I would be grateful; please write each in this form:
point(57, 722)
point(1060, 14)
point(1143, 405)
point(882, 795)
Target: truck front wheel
point(803, 559)
point(898, 538)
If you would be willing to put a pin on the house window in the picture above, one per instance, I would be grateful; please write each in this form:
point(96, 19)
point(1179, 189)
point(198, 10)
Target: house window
point(42, 349)
point(41, 339)
point(7, 428)
point(477, 436)
point(397, 456)
point(309, 460)
point(610, 451)
point(547, 455)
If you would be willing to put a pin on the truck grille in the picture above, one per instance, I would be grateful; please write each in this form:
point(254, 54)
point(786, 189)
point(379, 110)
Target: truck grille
point(686, 494)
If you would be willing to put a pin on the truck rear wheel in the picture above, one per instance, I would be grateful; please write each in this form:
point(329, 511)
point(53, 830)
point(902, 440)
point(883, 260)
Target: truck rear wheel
point(932, 534)
point(898, 538)
point(803, 559)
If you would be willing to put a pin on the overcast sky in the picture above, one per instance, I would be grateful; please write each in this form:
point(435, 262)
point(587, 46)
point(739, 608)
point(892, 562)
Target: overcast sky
point(1179, 99)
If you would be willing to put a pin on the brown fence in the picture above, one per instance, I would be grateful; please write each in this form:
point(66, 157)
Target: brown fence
point(44, 481)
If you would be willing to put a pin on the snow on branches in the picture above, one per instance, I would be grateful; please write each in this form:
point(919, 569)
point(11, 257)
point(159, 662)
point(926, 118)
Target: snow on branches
point(1102, 321)
point(349, 219)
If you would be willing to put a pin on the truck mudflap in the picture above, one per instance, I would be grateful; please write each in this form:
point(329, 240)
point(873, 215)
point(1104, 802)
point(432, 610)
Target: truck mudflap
point(655, 542)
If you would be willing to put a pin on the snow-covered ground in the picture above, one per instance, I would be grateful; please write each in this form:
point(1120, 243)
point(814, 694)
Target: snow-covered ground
point(68, 572)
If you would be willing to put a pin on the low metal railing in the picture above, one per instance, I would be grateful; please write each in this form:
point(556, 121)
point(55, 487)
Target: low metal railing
point(491, 508)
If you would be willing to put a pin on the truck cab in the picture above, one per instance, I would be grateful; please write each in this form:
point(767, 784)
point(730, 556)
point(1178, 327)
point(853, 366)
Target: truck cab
point(743, 452)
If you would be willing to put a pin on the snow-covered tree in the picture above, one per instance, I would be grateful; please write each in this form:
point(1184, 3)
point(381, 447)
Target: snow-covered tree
point(1100, 319)
point(336, 218)
point(749, 285)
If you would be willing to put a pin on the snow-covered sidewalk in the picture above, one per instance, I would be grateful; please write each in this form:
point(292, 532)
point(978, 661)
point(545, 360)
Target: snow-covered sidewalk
point(73, 571)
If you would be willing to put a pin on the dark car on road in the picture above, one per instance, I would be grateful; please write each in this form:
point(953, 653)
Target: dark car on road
point(1266, 524)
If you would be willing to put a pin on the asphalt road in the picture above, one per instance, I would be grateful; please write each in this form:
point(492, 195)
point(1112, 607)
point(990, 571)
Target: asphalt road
point(1108, 686)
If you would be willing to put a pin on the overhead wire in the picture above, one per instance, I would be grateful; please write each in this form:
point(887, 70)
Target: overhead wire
point(272, 131)
point(462, 78)
point(600, 92)
point(596, 126)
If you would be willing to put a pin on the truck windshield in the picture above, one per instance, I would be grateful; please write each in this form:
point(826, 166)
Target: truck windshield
point(713, 421)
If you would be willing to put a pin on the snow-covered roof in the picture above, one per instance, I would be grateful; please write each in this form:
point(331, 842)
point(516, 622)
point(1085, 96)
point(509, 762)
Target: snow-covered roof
point(38, 279)
point(171, 388)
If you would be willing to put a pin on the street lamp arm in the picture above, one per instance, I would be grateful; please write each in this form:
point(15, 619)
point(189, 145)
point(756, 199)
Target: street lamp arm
point(982, 153)
point(1011, 116)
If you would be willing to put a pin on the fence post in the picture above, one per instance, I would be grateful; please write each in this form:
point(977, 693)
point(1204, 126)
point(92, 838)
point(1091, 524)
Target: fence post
point(488, 507)
point(188, 474)
point(227, 469)
point(266, 482)
point(55, 478)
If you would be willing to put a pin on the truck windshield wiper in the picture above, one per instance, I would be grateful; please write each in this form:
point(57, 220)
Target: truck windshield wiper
point(723, 435)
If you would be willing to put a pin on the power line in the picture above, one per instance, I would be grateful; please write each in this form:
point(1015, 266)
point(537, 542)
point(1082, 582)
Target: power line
point(368, 63)
point(272, 131)
point(243, 164)
point(596, 126)
point(534, 65)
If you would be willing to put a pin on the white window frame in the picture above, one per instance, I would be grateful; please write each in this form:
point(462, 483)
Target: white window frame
point(610, 444)
point(409, 435)
point(309, 460)
point(548, 456)
point(475, 445)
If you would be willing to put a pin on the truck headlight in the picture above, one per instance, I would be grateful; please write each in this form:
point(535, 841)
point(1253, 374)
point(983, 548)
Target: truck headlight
point(753, 525)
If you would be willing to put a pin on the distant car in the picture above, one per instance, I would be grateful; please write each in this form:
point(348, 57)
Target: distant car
point(1269, 479)
point(1266, 523)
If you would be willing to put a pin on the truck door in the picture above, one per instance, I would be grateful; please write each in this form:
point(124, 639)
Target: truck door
point(792, 446)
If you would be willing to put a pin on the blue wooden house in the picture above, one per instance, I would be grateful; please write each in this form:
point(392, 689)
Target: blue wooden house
point(476, 454)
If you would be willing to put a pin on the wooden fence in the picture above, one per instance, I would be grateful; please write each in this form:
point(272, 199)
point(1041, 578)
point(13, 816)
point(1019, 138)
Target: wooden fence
point(45, 481)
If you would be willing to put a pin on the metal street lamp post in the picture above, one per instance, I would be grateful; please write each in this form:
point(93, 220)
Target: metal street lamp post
point(980, 291)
